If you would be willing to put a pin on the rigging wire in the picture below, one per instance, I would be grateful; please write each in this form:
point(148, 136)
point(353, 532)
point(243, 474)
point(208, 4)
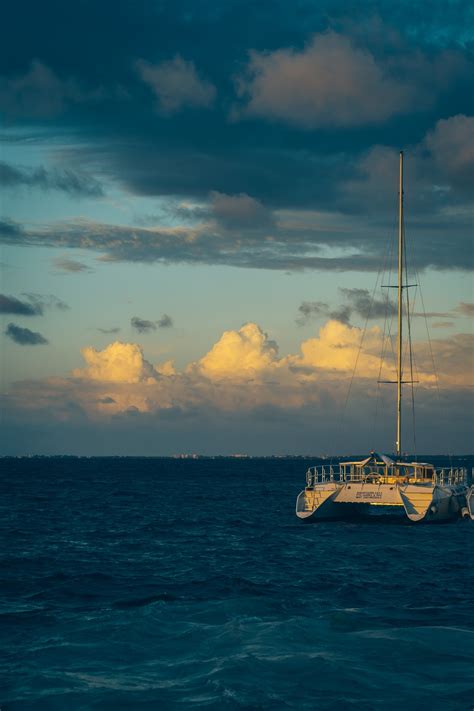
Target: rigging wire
point(361, 341)
point(387, 325)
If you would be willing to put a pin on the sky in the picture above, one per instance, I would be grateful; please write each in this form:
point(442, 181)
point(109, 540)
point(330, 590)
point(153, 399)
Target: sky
point(198, 213)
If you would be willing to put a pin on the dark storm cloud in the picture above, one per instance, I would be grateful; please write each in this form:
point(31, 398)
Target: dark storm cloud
point(23, 336)
point(40, 93)
point(293, 244)
point(142, 325)
point(65, 180)
point(149, 105)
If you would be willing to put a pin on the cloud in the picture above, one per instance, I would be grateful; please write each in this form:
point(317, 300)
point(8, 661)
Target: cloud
point(176, 85)
point(314, 309)
point(240, 211)
point(117, 363)
point(451, 145)
point(311, 309)
point(239, 354)
point(336, 349)
point(165, 321)
point(332, 242)
point(360, 302)
point(65, 180)
point(367, 306)
point(10, 230)
point(453, 359)
point(35, 305)
point(40, 93)
point(24, 337)
point(243, 382)
point(332, 82)
point(141, 325)
point(46, 301)
point(71, 265)
point(465, 309)
point(442, 324)
point(109, 330)
point(12, 305)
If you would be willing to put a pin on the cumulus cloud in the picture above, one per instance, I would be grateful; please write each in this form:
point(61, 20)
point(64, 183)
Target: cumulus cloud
point(242, 379)
point(239, 354)
point(65, 180)
point(336, 349)
point(23, 336)
point(176, 85)
point(117, 363)
point(332, 82)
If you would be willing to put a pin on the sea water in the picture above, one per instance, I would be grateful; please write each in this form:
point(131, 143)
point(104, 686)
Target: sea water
point(141, 583)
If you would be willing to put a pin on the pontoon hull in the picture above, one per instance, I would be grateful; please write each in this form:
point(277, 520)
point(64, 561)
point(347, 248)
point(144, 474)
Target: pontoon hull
point(415, 502)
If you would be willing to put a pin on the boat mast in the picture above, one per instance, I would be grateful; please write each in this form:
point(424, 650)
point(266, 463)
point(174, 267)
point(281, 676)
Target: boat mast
point(400, 308)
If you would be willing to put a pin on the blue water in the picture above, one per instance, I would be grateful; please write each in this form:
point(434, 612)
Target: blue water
point(190, 584)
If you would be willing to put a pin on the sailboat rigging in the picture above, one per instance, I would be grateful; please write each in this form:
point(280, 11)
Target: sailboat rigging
point(420, 491)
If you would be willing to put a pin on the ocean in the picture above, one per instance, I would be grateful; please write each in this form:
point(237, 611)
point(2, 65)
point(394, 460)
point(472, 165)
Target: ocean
point(148, 583)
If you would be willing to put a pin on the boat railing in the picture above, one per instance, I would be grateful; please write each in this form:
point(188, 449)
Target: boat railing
point(450, 476)
point(323, 474)
point(384, 474)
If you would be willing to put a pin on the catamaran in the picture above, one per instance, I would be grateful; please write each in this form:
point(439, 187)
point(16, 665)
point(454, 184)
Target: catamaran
point(379, 484)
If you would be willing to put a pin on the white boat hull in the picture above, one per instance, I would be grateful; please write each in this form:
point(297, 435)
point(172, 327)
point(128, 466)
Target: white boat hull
point(416, 502)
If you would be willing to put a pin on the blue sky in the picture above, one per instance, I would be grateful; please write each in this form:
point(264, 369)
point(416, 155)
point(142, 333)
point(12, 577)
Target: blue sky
point(198, 167)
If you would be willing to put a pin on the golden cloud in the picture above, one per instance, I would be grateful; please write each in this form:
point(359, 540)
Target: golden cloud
point(117, 363)
point(239, 354)
point(242, 371)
